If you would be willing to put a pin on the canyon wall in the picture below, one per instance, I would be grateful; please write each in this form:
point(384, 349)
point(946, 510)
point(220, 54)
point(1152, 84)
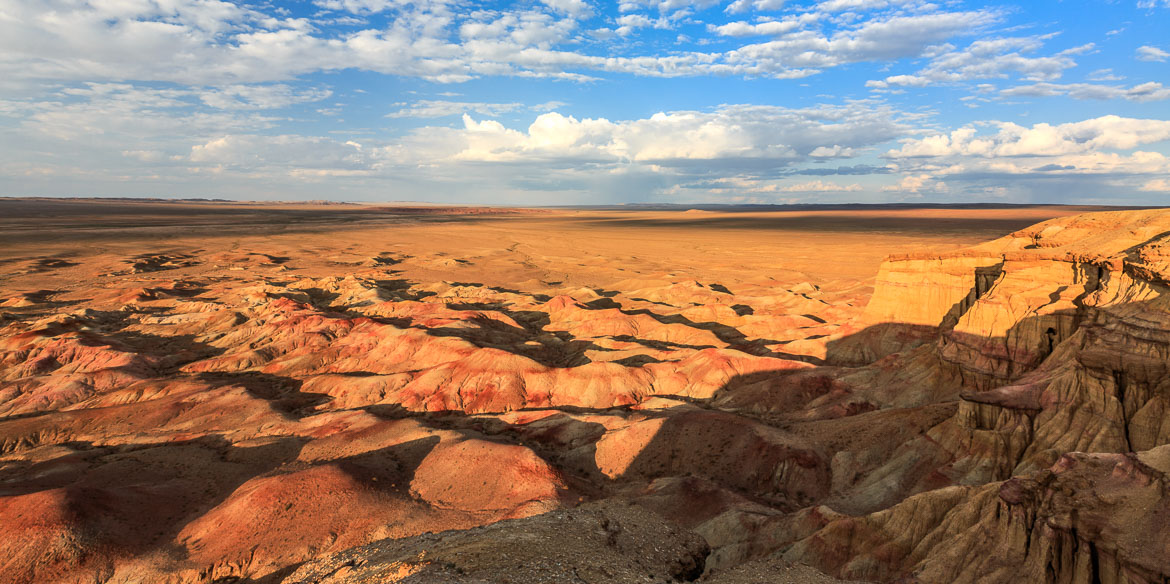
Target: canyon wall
point(1053, 468)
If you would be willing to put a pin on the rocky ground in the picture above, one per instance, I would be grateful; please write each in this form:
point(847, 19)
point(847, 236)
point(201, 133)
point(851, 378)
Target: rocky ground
point(465, 396)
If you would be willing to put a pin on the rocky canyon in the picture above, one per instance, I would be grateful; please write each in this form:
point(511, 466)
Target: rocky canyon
point(234, 393)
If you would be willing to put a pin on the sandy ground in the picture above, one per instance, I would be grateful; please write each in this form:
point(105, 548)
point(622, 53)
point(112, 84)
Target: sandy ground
point(499, 247)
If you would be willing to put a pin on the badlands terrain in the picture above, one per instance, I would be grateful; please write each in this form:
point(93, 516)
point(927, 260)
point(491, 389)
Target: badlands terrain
point(228, 393)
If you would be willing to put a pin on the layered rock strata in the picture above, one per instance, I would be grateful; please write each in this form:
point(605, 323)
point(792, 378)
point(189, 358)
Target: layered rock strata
point(996, 414)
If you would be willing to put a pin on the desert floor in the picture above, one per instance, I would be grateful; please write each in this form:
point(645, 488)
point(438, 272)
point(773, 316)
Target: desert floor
point(69, 243)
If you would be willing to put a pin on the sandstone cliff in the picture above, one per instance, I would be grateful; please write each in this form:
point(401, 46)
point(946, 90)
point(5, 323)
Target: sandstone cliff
point(1060, 349)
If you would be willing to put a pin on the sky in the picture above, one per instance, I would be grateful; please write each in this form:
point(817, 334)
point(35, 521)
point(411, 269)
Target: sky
point(562, 102)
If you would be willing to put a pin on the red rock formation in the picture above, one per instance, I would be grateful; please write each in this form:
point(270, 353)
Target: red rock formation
point(996, 414)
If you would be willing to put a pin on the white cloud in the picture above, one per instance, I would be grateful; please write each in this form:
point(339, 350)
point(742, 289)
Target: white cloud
point(174, 40)
point(1159, 185)
point(1148, 53)
point(765, 27)
point(1104, 75)
point(731, 135)
point(125, 126)
point(358, 6)
point(669, 7)
point(258, 152)
point(1079, 165)
point(260, 96)
point(178, 85)
point(1058, 162)
point(1150, 91)
point(574, 8)
point(855, 5)
point(547, 106)
point(104, 111)
point(628, 23)
point(801, 53)
point(834, 151)
point(817, 186)
point(440, 108)
point(758, 5)
point(987, 59)
point(922, 183)
point(213, 43)
point(1104, 133)
point(727, 152)
point(146, 155)
point(741, 185)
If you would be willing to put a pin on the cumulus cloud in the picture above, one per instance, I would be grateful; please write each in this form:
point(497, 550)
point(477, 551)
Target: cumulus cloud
point(892, 37)
point(1103, 133)
point(1148, 53)
point(259, 152)
point(146, 155)
point(765, 27)
point(834, 151)
point(673, 7)
point(857, 169)
point(628, 23)
point(198, 86)
point(153, 125)
point(1150, 91)
point(987, 59)
point(917, 184)
point(854, 5)
point(1102, 154)
point(758, 5)
point(743, 185)
point(258, 97)
point(221, 44)
point(817, 186)
point(731, 135)
point(1104, 75)
point(555, 152)
point(58, 39)
point(103, 111)
point(358, 6)
point(574, 8)
point(429, 108)
point(1159, 185)
point(214, 43)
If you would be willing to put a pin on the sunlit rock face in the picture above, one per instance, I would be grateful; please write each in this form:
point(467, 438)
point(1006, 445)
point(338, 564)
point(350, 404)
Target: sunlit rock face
point(541, 402)
point(1057, 449)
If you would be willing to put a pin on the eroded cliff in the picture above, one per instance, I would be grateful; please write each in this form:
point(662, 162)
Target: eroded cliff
point(1061, 355)
point(995, 414)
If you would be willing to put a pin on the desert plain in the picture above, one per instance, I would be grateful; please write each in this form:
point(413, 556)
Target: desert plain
point(294, 393)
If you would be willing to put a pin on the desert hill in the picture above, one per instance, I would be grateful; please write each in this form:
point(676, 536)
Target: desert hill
point(581, 395)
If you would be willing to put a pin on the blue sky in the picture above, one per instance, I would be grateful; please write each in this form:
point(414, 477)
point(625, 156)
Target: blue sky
point(581, 101)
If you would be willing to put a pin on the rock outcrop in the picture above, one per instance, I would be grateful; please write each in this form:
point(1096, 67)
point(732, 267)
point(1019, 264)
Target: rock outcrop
point(232, 414)
point(1054, 461)
point(599, 543)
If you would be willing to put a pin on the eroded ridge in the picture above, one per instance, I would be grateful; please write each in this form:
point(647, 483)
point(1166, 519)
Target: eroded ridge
point(233, 415)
